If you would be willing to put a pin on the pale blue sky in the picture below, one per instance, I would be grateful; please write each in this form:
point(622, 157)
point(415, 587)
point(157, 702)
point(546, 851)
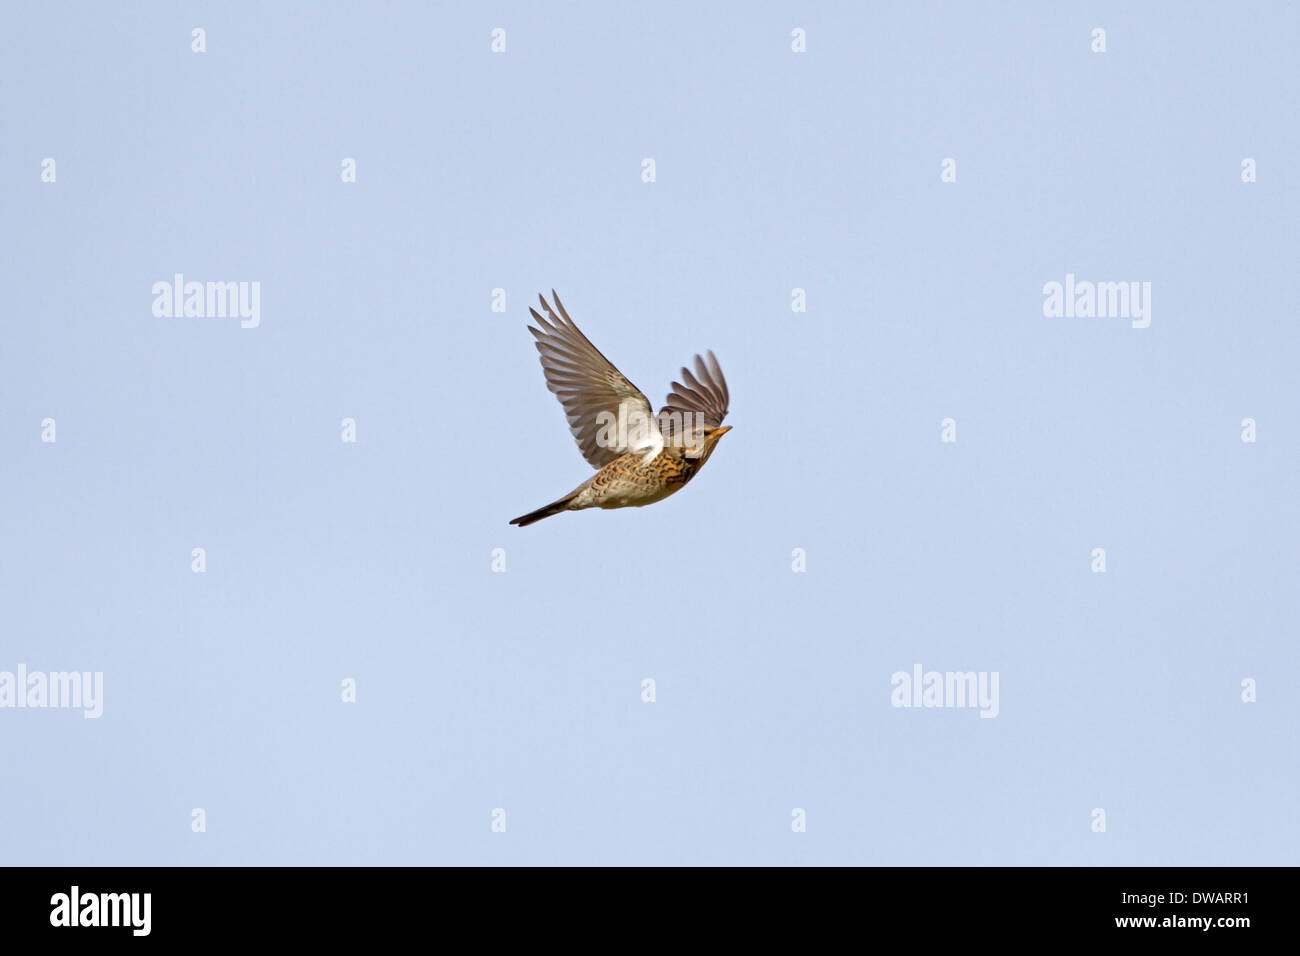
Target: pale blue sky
point(522, 690)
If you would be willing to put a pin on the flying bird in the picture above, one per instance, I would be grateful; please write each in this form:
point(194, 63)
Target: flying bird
point(641, 457)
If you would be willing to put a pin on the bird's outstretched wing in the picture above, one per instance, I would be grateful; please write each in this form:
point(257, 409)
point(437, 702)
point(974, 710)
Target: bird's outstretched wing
point(703, 397)
point(607, 414)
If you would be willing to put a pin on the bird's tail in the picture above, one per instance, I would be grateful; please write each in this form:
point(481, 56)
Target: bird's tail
point(554, 508)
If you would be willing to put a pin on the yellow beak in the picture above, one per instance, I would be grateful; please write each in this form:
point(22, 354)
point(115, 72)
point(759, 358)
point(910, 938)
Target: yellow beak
point(719, 432)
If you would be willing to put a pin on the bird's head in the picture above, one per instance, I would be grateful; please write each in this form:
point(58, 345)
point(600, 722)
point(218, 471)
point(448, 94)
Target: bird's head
point(702, 451)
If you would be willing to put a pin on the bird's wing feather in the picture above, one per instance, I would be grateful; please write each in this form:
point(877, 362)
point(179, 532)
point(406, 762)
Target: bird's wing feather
point(595, 395)
point(704, 395)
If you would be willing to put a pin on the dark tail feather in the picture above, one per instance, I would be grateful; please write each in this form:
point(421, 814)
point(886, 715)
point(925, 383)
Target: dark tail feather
point(554, 508)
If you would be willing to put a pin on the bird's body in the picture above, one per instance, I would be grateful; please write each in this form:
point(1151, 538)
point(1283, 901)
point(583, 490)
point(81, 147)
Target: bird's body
point(642, 458)
point(629, 481)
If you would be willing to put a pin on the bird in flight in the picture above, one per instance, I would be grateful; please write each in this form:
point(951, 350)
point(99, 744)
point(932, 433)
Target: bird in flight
point(642, 457)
